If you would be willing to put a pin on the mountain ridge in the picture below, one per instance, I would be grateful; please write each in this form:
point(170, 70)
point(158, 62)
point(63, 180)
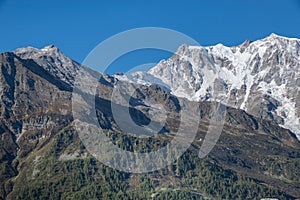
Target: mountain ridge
point(284, 110)
point(38, 140)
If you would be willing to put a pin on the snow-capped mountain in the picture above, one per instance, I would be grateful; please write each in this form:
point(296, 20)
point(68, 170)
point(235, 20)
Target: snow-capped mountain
point(261, 77)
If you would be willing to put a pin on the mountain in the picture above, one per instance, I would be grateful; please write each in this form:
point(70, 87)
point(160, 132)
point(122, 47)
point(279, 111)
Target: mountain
point(260, 77)
point(254, 158)
point(52, 60)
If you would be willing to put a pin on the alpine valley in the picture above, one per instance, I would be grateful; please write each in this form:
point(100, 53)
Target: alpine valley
point(257, 155)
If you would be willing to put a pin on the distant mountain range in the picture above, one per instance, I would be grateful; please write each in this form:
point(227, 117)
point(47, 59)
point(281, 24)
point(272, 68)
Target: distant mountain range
point(257, 155)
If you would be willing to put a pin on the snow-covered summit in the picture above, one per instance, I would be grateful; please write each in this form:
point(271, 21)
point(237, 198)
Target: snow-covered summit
point(261, 77)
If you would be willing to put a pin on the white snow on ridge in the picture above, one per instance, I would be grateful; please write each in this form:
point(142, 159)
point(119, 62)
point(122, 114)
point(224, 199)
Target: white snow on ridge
point(267, 67)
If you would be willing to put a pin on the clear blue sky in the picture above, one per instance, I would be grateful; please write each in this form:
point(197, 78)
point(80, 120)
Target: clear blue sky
point(76, 27)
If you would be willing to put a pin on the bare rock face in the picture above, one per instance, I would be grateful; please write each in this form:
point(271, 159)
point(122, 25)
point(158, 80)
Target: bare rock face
point(260, 77)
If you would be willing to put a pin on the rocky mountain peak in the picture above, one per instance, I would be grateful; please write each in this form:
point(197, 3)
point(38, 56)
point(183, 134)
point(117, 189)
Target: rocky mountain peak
point(274, 36)
point(32, 52)
point(260, 77)
point(51, 49)
point(244, 45)
point(52, 60)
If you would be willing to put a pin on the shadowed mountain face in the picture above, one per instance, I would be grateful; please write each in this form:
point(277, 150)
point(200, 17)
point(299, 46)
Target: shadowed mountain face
point(39, 145)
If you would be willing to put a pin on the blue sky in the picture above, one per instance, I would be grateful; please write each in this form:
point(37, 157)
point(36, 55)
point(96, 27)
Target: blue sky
point(76, 27)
